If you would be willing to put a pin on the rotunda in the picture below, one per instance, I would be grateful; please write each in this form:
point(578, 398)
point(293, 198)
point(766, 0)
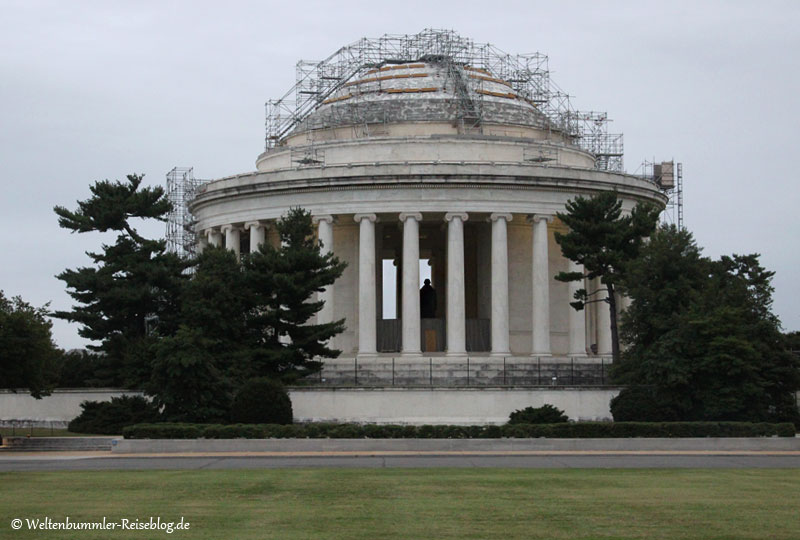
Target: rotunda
point(431, 156)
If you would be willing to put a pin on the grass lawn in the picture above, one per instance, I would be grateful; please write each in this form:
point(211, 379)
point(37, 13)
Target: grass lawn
point(403, 503)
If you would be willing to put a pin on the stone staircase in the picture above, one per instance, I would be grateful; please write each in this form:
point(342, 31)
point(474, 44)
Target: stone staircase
point(56, 444)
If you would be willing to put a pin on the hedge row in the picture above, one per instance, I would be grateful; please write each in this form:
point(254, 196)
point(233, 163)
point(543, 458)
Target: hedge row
point(555, 431)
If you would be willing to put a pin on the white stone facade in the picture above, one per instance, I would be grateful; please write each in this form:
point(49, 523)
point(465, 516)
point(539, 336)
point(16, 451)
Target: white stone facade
point(480, 204)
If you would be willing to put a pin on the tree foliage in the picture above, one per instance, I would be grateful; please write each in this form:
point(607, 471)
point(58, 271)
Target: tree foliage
point(233, 316)
point(702, 338)
point(133, 286)
point(603, 241)
point(28, 356)
point(262, 401)
point(80, 368)
point(191, 342)
point(186, 380)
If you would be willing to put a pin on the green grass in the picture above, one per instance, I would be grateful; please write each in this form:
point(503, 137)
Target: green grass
point(402, 503)
point(41, 432)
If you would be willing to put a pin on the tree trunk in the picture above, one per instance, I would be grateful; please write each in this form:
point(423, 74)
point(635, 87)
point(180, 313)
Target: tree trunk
point(612, 305)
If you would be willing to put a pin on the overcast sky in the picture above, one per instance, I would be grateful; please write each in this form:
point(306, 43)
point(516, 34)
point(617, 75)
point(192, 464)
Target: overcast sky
point(94, 90)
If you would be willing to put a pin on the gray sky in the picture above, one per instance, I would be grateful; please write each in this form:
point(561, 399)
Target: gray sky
point(93, 90)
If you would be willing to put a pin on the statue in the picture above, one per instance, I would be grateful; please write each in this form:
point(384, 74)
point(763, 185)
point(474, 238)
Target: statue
point(427, 301)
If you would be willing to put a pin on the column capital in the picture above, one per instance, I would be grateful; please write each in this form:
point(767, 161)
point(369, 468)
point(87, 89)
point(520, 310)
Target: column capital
point(536, 218)
point(327, 218)
point(405, 215)
point(229, 227)
point(253, 224)
point(359, 217)
point(210, 230)
point(494, 216)
point(450, 216)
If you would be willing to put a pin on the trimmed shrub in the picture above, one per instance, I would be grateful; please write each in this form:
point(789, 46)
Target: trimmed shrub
point(164, 431)
point(235, 431)
point(109, 417)
point(563, 430)
point(546, 414)
point(262, 401)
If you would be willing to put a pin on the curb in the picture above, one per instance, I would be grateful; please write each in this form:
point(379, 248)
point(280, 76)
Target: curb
point(292, 446)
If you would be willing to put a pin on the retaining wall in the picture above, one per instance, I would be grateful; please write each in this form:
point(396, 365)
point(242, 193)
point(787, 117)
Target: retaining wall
point(362, 405)
point(462, 406)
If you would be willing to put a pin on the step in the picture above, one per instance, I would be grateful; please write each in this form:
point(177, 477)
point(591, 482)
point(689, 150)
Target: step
point(56, 444)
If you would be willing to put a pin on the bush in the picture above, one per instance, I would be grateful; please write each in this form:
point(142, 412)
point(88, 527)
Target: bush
point(546, 414)
point(109, 417)
point(562, 430)
point(262, 401)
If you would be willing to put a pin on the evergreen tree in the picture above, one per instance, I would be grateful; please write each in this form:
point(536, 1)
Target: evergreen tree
point(218, 301)
point(186, 381)
point(196, 370)
point(603, 241)
point(283, 282)
point(133, 287)
point(28, 356)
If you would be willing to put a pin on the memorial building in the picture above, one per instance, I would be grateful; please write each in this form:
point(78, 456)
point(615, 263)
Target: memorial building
point(430, 156)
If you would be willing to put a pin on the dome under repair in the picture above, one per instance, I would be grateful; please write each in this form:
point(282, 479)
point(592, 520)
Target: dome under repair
point(439, 80)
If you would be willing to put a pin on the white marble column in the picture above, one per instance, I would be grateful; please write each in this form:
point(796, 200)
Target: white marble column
point(500, 322)
point(214, 237)
point(367, 341)
point(202, 243)
point(456, 312)
point(540, 283)
point(577, 319)
point(410, 317)
point(325, 237)
point(258, 233)
point(232, 238)
point(603, 320)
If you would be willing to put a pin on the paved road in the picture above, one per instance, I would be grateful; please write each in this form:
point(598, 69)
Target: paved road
point(45, 462)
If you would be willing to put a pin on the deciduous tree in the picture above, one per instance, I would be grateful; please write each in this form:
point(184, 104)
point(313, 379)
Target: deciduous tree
point(703, 343)
point(28, 356)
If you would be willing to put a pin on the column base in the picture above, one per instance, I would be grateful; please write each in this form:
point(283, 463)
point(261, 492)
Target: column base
point(500, 354)
point(578, 355)
point(455, 353)
point(366, 356)
point(411, 354)
point(541, 355)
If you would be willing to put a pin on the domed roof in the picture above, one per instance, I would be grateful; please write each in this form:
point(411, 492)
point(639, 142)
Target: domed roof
point(434, 89)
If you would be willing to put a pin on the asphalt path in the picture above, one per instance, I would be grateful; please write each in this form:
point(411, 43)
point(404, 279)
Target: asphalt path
point(563, 460)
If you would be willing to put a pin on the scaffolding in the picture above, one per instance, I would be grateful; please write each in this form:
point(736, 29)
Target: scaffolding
point(527, 74)
point(181, 189)
point(668, 177)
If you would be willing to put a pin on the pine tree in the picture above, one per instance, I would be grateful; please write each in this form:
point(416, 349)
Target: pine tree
point(195, 371)
point(283, 282)
point(603, 241)
point(186, 380)
point(133, 288)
